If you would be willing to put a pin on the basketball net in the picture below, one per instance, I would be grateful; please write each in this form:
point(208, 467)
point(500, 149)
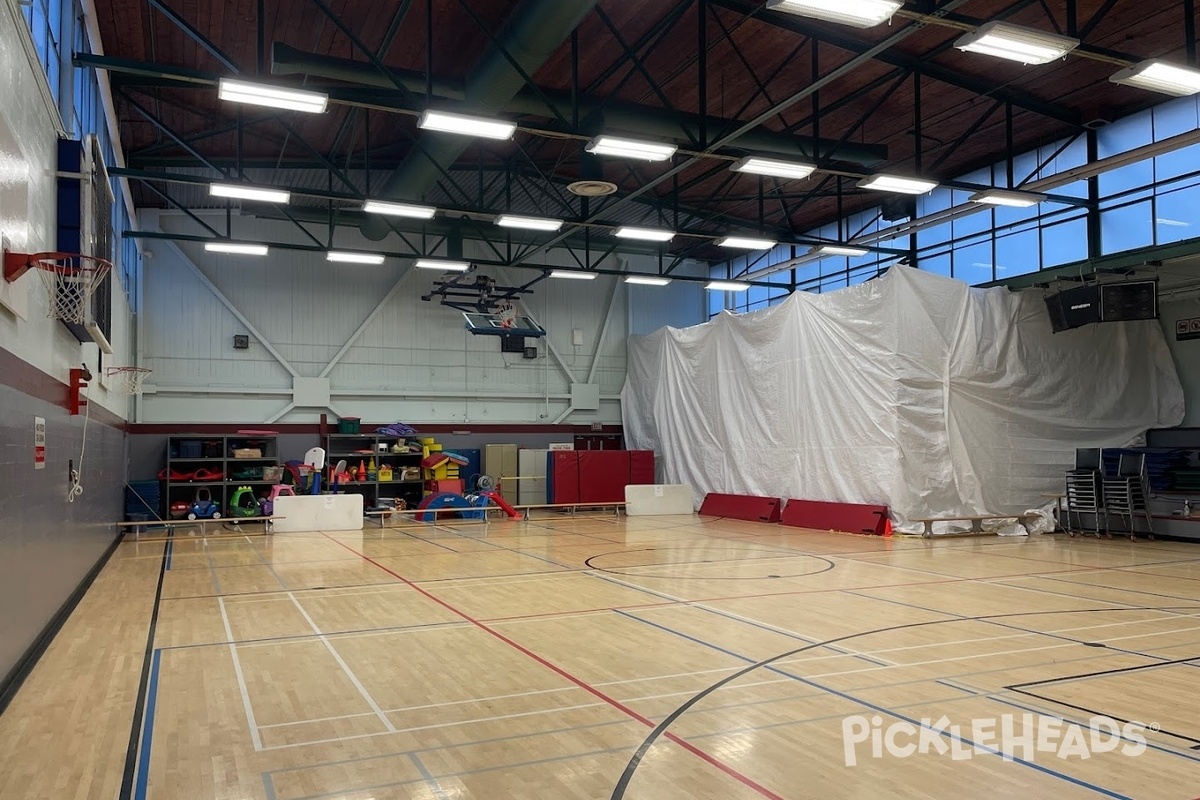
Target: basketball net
point(128, 379)
point(506, 313)
point(70, 280)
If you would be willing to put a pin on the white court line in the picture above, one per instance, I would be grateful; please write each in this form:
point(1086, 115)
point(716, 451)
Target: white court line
point(691, 692)
point(387, 723)
point(241, 679)
point(1006, 652)
point(500, 717)
point(437, 725)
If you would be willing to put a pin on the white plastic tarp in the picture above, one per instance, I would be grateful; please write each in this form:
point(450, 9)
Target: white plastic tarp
point(913, 390)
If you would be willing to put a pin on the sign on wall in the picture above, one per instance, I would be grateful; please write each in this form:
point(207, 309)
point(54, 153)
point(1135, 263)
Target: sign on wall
point(1187, 329)
point(39, 442)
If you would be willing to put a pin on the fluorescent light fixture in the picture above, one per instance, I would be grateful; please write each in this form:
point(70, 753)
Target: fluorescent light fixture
point(894, 183)
point(726, 286)
point(467, 126)
point(445, 266)
point(232, 248)
point(353, 258)
point(788, 170)
point(1006, 197)
point(647, 280)
point(257, 94)
point(856, 13)
point(1160, 76)
point(645, 234)
point(745, 243)
point(249, 193)
point(399, 209)
point(572, 275)
point(528, 223)
point(631, 148)
point(839, 250)
point(1016, 43)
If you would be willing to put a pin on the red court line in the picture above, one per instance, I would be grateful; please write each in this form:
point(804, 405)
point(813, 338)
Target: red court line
point(691, 748)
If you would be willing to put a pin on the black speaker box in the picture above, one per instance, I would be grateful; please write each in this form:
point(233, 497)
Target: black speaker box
point(1130, 300)
point(1074, 308)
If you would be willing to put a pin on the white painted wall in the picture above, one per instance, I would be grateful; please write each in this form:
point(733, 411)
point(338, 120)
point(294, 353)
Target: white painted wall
point(29, 131)
point(412, 361)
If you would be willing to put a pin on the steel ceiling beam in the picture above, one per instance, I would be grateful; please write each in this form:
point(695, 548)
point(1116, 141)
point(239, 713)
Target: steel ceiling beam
point(533, 31)
point(784, 104)
point(627, 117)
point(195, 35)
point(938, 73)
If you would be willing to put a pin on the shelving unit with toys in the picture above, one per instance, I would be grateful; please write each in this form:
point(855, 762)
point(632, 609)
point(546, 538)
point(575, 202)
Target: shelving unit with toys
point(383, 469)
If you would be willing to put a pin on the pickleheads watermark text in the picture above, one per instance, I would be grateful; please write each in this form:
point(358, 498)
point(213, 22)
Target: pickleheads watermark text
point(1026, 737)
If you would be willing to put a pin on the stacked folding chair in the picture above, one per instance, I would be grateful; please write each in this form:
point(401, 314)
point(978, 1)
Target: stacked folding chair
point(1125, 495)
point(1085, 492)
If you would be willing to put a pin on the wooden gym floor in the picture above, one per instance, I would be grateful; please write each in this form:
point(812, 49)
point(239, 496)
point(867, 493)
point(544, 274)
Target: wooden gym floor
point(597, 657)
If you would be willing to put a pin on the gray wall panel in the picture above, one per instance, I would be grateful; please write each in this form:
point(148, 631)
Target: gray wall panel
point(47, 546)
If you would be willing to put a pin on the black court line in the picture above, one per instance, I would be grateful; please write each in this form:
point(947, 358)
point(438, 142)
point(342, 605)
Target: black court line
point(639, 755)
point(1083, 675)
point(1096, 713)
point(828, 565)
point(131, 752)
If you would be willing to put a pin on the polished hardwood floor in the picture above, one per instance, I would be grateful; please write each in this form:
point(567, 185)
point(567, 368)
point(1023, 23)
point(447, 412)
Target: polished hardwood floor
point(600, 657)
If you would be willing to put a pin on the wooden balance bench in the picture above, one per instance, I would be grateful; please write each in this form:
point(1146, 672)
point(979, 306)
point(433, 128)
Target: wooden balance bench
point(976, 521)
point(172, 524)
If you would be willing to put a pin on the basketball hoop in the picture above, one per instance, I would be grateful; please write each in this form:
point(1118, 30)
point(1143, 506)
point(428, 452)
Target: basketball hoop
point(70, 280)
point(128, 379)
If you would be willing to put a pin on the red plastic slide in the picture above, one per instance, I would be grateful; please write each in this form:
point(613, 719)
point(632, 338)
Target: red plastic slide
point(501, 504)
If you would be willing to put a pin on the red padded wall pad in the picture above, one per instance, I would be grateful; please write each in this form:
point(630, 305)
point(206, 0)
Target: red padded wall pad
point(564, 476)
point(603, 475)
point(741, 506)
point(641, 466)
point(848, 517)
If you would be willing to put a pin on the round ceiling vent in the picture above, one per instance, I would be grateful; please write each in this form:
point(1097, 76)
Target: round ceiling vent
point(591, 188)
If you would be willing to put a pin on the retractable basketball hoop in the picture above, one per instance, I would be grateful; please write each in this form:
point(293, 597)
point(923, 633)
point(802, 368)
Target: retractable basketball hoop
point(128, 379)
point(70, 280)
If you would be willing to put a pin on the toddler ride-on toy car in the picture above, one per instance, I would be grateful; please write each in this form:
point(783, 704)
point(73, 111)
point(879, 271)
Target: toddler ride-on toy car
point(203, 506)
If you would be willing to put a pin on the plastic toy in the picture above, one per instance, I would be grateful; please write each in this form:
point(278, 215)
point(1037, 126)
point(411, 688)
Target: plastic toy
point(203, 506)
point(267, 504)
point(179, 509)
point(243, 503)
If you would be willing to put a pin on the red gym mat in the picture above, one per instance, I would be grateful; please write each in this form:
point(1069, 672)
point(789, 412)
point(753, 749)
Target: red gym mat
point(564, 469)
point(641, 467)
point(741, 506)
point(848, 517)
point(603, 475)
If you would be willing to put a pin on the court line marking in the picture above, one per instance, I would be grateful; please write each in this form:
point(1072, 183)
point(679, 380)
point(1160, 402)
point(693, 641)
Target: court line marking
point(1049, 633)
point(713, 760)
point(427, 776)
point(241, 679)
point(884, 710)
point(715, 709)
point(387, 723)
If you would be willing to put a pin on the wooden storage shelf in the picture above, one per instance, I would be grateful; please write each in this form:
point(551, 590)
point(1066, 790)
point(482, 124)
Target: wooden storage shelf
point(373, 491)
point(221, 490)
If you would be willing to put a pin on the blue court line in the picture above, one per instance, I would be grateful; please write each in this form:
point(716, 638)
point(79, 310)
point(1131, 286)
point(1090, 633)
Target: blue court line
point(427, 776)
point(1048, 635)
point(881, 709)
point(692, 604)
point(170, 550)
point(1041, 712)
point(143, 775)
